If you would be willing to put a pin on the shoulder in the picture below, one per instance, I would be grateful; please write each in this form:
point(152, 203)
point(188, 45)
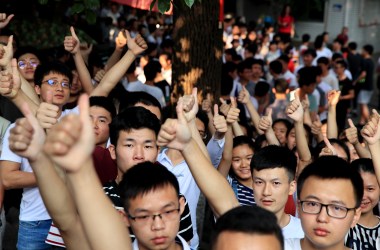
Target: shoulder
point(292, 244)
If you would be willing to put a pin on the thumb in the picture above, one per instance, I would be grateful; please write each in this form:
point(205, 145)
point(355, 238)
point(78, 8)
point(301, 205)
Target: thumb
point(180, 113)
point(374, 111)
point(15, 74)
point(49, 97)
point(216, 110)
point(351, 123)
point(9, 18)
point(233, 102)
point(10, 42)
point(222, 100)
point(269, 112)
point(84, 108)
point(244, 89)
point(72, 30)
point(127, 35)
point(208, 97)
point(328, 144)
point(194, 93)
point(296, 96)
point(28, 114)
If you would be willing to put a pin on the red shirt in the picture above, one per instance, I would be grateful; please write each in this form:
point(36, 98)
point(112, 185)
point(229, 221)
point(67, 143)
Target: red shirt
point(289, 20)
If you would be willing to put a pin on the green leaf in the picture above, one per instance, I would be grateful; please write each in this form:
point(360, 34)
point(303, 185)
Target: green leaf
point(163, 5)
point(189, 3)
point(152, 4)
point(91, 3)
point(90, 16)
point(43, 1)
point(77, 8)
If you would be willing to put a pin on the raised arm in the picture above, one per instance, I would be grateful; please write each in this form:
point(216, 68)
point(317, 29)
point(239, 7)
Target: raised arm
point(120, 43)
point(176, 134)
point(332, 127)
point(244, 98)
point(27, 139)
point(265, 125)
point(135, 47)
point(352, 136)
point(72, 45)
point(371, 134)
point(295, 112)
point(70, 144)
point(206, 107)
point(4, 20)
point(316, 129)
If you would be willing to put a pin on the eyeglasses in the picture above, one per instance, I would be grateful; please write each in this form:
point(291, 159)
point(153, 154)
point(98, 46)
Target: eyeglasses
point(335, 211)
point(22, 64)
point(168, 215)
point(54, 83)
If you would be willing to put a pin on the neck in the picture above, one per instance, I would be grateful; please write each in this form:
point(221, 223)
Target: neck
point(175, 156)
point(255, 79)
point(119, 176)
point(73, 98)
point(280, 96)
point(307, 245)
point(150, 83)
point(131, 77)
point(325, 72)
point(283, 219)
point(243, 82)
point(368, 219)
point(173, 246)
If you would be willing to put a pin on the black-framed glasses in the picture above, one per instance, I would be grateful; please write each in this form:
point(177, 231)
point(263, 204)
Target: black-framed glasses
point(22, 64)
point(333, 210)
point(54, 83)
point(168, 215)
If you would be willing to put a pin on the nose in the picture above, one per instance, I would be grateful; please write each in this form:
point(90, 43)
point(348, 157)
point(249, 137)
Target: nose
point(245, 163)
point(267, 190)
point(139, 154)
point(157, 223)
point(95, 123)
point(59, 87)
point(322, 216)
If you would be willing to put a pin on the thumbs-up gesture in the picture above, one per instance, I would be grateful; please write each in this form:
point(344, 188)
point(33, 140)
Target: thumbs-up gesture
point(316, 126)
point(244, 96)
point(207, 104)
point(5, 60)
point(175, 133)
point(120, 40)
point(10, 82)
point(371, 131)
point(352, 133)
point(265, 122)
point(190, 105)
point(224, 107)
point(72, 43)
point(136, 45)
point(233, 112)
point(333, 97)
point(47, 112)
point(4, 19)
point(328, 149)
point(295, 109)
point(71, 142)
point(220, 123)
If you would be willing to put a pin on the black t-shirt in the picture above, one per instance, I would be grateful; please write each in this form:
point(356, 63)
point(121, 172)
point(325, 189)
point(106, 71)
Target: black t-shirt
point(354, 64)
point(367, 66)
point(165, 88)
point(345, 86)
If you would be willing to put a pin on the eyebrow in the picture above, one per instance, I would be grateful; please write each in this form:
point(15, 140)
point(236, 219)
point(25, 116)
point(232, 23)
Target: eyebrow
point(133, 140)
point(142, 210)
point(330, 202)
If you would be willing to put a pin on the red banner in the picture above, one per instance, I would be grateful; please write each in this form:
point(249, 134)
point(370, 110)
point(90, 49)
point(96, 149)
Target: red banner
point(142, 4)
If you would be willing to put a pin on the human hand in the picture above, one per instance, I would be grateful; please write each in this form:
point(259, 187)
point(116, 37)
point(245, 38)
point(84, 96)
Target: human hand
point(136, 45)
point(27, 138)
point(10, 82)
point(244, 96)
point(233, 112)
point(47, 112)
point(99, 75)
point(207, 103)
point(175, 133)
point(333, 97)
point(265, 122)
point(371, 131)
point(316, 126)
point(352, 133)
point(305, 103)
point(85, 49)
point(72, 43)
point(224, 107)
point(328, 149)
point(4, 19)
point(120, 40)
point(219, 121)
point(295, 109)
point(190, 105)
point(7, 53)
point(70, 142)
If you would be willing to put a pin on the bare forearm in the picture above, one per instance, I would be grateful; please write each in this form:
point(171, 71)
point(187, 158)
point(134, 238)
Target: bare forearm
point(84, 75)
point(22, 98)
point(29, 91)
point(196, 136)
point(271, 137)
point(301, 142)
point(255, 117)
point(18, 179)
point(332, 127)
point(114, 58)
point(362, 151)
point(237, 129)
point(375, 152)
point(210, 126)
point(225, 163)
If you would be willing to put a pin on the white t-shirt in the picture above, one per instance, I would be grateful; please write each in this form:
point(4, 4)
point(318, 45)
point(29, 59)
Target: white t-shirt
point(152, 90)
point(187, 186)
point(290, 79)
point(293, 229)
point(331, 80)
point(184, 244)
point(293, 244)
point(32, 207)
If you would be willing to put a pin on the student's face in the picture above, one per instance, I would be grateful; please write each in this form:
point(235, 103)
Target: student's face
point(237, 240)
point(201, 127)
point(60, 94)
point(27, 64)
point(309, 89)
point(291, 139)
point(241, 161)
point(371, 192)
point(321, 230)
point(101, 119)
point(133, 147)
point(158, 233)
point(308, 59)
point(246, 74)
point(280, 131)
point(271, 188)
point(257, 70)
point(76, 85)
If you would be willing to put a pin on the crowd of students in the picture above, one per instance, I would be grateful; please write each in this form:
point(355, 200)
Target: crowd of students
point(273, 157)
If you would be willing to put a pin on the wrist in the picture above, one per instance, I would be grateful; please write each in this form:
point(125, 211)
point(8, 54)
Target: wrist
point(219, 135)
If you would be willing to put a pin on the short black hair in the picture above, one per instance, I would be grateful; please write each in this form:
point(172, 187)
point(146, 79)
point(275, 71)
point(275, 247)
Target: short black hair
point(242, 66)
point(52, 67)
point(152, 68)
point(305, 38)
point(310, 52)
point(324, 60)
point(202, 116)
point(369, 48)
point(352, 45)
point(133, 118)
point(103, 102)
point(336, 56)
point(275, 66)
point(332, 167)
point(143, 178)
point(286, 122)
point(249, 220)
point(318, 43)
point(342, 62)
point(274, 156)
point(28, 50)
point(284, 58)
point(363, 165)
point(262, 88)
point(281, 85)
point(138, 97)
point(243, 140)
point(226, 84)
point(307, 76)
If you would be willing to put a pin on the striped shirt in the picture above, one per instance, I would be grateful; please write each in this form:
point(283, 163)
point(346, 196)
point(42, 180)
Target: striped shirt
point(244, 193)
point(363, 238)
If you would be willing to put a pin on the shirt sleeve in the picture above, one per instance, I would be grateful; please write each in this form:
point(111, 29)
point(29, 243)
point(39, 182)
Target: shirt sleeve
point(215, 149)
point(6, 153)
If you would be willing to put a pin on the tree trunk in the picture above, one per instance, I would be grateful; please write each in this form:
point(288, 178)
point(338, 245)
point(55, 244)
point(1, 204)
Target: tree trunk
point(198, 47)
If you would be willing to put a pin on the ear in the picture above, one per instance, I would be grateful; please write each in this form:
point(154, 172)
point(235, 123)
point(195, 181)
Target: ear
point(298, 206)
point(287, 91)
point(292, 187)
point(112, 150)
point(273, 90)
point(358, 212)
point(181, 204)
point(37, 89)
point(124, 217)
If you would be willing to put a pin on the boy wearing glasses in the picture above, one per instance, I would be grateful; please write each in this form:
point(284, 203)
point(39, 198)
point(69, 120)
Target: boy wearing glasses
point(330, 194)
